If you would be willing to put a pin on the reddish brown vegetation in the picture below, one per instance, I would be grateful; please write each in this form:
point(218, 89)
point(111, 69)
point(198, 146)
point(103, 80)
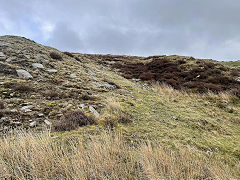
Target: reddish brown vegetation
point(55, 55)
point(1, 105)
point(73, 120)
point(201, 78)
point(69, 54)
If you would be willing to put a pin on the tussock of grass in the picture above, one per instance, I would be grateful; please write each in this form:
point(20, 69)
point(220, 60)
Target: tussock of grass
point(113, 114)
point(31, 156)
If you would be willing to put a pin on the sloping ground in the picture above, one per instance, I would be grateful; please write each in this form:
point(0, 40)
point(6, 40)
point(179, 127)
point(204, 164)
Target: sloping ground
point(207, 122)
point(56, 86)
point(185, 73)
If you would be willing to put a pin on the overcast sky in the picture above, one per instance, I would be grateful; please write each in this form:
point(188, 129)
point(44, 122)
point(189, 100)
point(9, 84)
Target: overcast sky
point(199, 28)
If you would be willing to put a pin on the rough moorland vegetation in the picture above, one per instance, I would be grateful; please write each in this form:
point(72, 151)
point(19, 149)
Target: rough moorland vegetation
point(115, 116)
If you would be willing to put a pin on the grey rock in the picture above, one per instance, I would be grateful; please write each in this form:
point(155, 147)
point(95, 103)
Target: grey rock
point(94, 111)
point(109, 86)
point(106, 85)
point(27, 56)
point(97, 85)
point(2, 119)
point(91, 72)
point(4, 44)
point(13, 110)
point(16, 123)
point(38, 65)
point(44, 61)
point(33, 124)
point(2, 54)
point(10, 59)
point(175, 118)
point(73, 75)
point(41, 56)
point(238, 79)
point(27, 108)
point(40, 114)
point(47, 122)
point(52, 70)
point(24, 74)
point(82, 106)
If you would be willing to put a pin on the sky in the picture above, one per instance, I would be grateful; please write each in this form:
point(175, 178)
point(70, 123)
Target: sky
point(199, 28)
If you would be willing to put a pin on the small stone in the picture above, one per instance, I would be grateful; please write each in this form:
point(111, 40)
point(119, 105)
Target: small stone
point(24, 74)
point(209, 153)
point(2, 54)
point(110, 86)
point(33, 124)
point(2, 119)
point(38, 65)
point(238, 79)
point(52, 70)
point(73, 75)
point(94, 111)
point(40, 115)
point(47, 122)
point(13, 110)
point(175, 118)
point(17, 123)
point(40, 56)
point(10, 59)
point(4, 44)
point(27, 108)
point(91, 72)
point(44, 61)
point(82, 106)
point(102, 104)
point(27, 56)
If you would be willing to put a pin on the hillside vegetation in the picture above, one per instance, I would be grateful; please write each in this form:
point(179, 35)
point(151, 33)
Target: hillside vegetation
point(85, 116)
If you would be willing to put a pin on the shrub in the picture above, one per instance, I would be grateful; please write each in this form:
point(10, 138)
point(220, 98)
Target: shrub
point(51, 95)
point(72, 120)
point(69, 54)
point(235, 72)
point(55, 55)
point(147, 76)
point(1, 105)
point(23, 88)
point(181, 61)
point(77, 58)
point(1, 114)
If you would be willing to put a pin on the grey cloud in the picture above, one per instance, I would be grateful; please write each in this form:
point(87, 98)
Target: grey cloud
point(65, 38)
point(205, 29)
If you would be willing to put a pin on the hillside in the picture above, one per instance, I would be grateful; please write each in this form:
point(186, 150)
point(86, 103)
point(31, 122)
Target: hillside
point(174, 101)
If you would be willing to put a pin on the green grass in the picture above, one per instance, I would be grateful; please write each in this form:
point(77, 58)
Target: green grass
point(176, 119)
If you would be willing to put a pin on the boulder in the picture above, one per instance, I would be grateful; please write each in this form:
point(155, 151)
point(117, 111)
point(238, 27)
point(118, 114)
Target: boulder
point(24, 74)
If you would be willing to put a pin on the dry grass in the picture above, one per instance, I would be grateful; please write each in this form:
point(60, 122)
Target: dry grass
point(113, 114)
point(31, 156)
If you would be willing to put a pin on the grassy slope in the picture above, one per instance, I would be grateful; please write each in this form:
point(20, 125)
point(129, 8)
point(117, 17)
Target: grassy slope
point(203, 122)
point(172, 118)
